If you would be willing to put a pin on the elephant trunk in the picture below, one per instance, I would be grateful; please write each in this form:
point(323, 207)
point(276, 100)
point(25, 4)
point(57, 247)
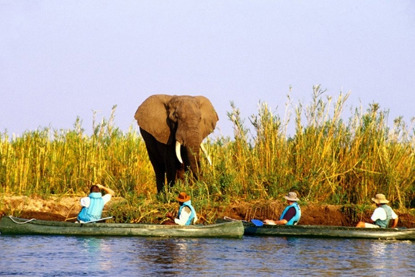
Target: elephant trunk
point(193, 155)
point(190, 139)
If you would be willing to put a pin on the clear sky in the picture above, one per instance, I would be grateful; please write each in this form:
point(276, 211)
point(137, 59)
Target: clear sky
point(64, 59)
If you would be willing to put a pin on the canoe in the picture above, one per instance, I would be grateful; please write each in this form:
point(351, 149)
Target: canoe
point(19, 226)
point(316, 231)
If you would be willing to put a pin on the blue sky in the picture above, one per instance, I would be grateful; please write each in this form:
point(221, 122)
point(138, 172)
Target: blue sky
point(64, 59)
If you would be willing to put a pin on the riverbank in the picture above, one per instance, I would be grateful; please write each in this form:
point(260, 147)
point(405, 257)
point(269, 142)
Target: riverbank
point(66, 208)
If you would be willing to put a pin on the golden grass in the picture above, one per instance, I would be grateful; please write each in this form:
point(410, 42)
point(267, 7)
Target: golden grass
point(328, 159)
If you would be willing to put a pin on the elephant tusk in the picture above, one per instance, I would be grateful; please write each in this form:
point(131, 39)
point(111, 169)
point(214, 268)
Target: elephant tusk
point(178, 155)
point(206, 154)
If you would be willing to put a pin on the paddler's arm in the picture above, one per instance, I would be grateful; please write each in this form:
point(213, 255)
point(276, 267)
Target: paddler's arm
point(395, 222)
point(275, 222)
point(107, 190)
point(288, 215)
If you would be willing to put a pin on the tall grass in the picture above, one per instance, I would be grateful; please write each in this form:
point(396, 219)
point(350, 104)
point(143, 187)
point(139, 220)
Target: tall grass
point(68, 161)
point(328, 159)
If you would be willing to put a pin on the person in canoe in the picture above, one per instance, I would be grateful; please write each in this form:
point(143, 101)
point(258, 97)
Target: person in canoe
point(381, 216)
point(94, 203)
point(186, 214)
point(291, 214)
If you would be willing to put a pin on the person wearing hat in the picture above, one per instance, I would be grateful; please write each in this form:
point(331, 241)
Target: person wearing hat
point(187, 214)
point(291, 214)
point(382, 215)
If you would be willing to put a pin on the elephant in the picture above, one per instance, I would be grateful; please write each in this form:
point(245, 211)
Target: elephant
point(173, 128)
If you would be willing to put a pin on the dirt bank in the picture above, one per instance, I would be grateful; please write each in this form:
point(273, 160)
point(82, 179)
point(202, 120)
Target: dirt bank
point(67, 207)
point(311, 214)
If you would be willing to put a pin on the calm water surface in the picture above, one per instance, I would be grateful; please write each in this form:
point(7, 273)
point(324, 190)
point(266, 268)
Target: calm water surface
point(260, 256)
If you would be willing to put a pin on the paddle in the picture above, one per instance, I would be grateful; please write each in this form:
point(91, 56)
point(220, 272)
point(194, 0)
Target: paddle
point(102, 219)
point(227, 218)
point(257, 222)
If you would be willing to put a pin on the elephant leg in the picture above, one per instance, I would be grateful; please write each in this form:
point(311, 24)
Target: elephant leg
point(160, 180)
point(159, 171)
point(171, 178)
point(180, 172)
point(156, 153)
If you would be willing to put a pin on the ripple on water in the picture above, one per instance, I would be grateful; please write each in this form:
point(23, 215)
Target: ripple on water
point(132, 256)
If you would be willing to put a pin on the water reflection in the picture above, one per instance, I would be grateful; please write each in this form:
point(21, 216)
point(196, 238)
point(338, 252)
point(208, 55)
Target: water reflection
point(259, 256)
point(162, 253)
point(97, 252)
point(323, 256)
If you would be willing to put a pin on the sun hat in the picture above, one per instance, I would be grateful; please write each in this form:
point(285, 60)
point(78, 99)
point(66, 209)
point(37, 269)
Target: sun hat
point(183, 197)
point(380, 199)
point(291, 196)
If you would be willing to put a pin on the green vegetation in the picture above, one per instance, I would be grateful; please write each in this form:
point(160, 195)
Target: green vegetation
point(328, 159)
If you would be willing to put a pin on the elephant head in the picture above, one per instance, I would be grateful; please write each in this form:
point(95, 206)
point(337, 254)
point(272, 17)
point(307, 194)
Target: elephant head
point(173, 128)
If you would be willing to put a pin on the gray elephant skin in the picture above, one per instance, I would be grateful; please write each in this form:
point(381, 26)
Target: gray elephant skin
point(173, 128)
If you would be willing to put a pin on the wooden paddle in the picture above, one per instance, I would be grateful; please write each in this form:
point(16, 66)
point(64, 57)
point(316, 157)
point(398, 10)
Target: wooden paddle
point(256, 222)
point(101, 219)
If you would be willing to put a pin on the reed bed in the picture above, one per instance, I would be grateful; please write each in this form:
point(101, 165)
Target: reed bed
point(68, 161)
point(328, 159)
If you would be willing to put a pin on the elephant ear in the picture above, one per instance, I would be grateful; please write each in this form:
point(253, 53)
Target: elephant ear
point(209, 116)
point(151, 116)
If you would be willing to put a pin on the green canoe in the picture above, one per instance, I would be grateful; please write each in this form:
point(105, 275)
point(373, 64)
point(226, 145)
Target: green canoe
point(317, 231)
point(19, 226)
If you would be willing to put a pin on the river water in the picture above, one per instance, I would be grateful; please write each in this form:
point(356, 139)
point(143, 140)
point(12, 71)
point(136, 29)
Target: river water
point(259, 256)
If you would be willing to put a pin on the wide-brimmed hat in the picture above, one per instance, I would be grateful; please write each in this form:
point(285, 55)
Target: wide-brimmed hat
point(183, 197)
point(292, 196)
point(380, 199)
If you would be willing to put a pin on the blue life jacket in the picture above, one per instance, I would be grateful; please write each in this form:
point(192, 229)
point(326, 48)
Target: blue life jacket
point(192, 212)
point(294, 220)
point(385, 223)
point(94, 211)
